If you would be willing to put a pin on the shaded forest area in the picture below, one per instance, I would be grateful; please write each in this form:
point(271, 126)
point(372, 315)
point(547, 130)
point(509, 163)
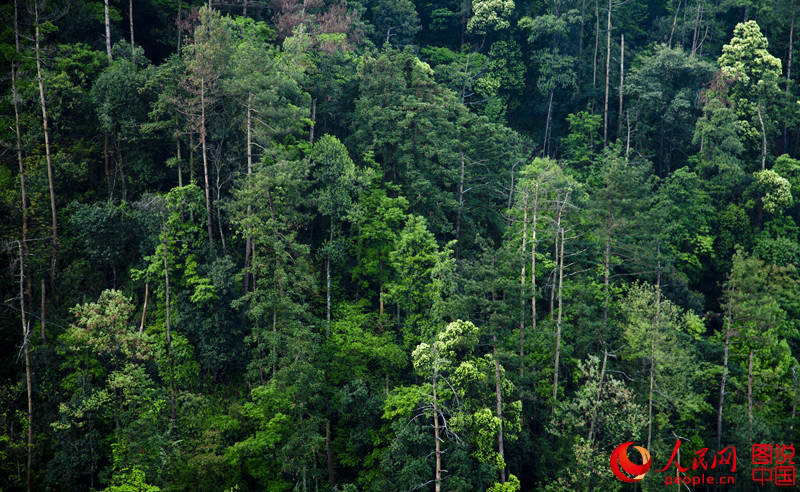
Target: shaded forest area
point(391, 245)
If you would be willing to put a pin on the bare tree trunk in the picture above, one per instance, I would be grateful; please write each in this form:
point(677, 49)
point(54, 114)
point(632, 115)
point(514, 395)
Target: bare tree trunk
point(674, 22)
point(558, 322)
point(130, 17)
point(628, 140)
point(522, 286)
point(724, 375)
point(26, 332)
point(248, 241)
point(546, 146)
point(169, 326)
point(608, 67)
point(108, 31)
point(596, 404)
point(596, 45)
point(460, 196)
point(621, 81)
point(606, 274)
point(178, 155)
point(244, 14)
point(794, 396)
point(555, 256)
point(533, 255)
point(328, 281)
point(313, 120)
point(43, 313)
point(789, 75)
point(750, 392)
point(499, 398)
point(331, 477)
point(40, 79)
point(656, 323)
point(437, 449)
point(696, 29)
point(763, 137)
point(205, 157)
point(22, 188)
point(144, 309)
point(107, 167)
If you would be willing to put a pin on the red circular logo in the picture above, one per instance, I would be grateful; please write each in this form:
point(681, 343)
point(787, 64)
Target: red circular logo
point(620, 462)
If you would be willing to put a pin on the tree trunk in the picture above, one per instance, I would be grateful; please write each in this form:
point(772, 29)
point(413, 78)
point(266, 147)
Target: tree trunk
point(144, 309)
point(107, 167)
point(696, 29)
point(608, 67)
point(674, 22)
point(788, 76)
point(169, 327)
point(248, 241)
point(437, 450)
point(130, 17)
point(596, 46)
point(656, 323)
point(546, 145)
point(22, 188)
point(599, 396)
point(42, 313)
point(178, 155)
point(331, 477)
point(621, 82)
point(750, 392)
point(555, 256)
point(244, 14)
point(558, 322)
point(499, 398)
point(522, 286)
point(328, 281)
point(460, 196)
point(108, 31)
point(794, 396)
point(26, 332)
point(724, 375)
point(205, 157)
point(606, 275)
point(763, 137)
point(313, 121)
point(40, 79)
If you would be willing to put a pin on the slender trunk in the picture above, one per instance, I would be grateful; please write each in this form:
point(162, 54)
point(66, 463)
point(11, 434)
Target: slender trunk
point(621, 81)
point(558, 322)
point(45, 126)
point(596, 404)
point(42, 313)
point(794, 396)
point(608, 67)
point(460, 196)
point(328, 282)
point(750, 393)
point(724, 375)
point(205, 157)
point(653, 354)
point(763, 137)
point(437, 450)
point(499, 398)
point(510, 194)
point(22, 188)
point(533, 255)
point(789, 75)
point(313, 120)
point(522, 285)
point(244, 14)
point(144, 309)
point(107, 167)
point(331, 478)
point(555, 257)
point(696, 29)
point(130, 17)
point(580, 33)
point(674, 22)
point(596, 45)
point(178, 155)
point(628, 140)
point(26, 332)
point(169, 326)
point(248, 241)
point(108, 31)
point(546, 146)
point(606, 275)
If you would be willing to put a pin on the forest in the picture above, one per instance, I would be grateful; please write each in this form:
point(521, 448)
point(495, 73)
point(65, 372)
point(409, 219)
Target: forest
point(397, 245)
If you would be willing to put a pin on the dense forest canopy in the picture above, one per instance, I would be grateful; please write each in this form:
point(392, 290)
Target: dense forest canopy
point(391, 245)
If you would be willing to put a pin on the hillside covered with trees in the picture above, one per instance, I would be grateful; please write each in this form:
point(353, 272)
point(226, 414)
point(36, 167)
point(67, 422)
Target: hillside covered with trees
point(394, 245)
